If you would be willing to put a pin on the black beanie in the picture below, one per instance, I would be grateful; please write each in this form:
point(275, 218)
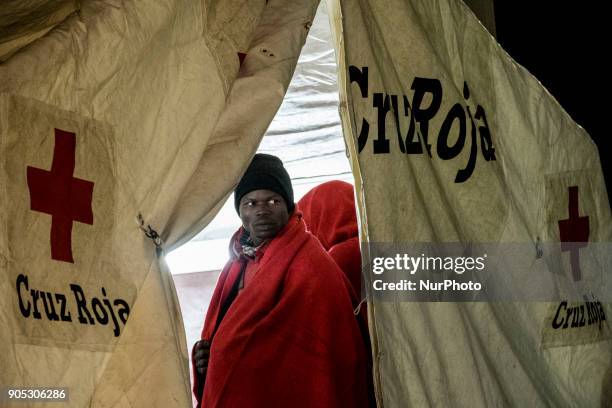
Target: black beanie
point(266, 172)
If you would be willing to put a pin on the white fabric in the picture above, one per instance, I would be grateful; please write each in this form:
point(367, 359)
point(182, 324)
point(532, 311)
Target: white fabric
point(163, 120)
point(469, 354)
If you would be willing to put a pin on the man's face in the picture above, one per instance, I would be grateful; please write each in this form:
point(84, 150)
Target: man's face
point(263, 213)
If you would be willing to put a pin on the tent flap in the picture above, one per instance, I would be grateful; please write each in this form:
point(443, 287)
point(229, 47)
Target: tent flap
point(452, 141)
point(120, 110)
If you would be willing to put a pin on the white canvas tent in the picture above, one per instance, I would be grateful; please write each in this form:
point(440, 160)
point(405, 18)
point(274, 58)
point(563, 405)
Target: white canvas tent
point(155, 110)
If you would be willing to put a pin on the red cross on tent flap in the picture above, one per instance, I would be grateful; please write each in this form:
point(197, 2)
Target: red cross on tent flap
point(574, 233)
point(64, 197)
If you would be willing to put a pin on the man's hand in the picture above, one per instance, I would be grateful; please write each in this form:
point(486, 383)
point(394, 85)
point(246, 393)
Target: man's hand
point(201, 352)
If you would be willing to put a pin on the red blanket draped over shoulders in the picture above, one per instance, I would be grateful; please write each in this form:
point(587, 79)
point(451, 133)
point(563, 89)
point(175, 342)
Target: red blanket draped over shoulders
point(329, 213)
point(289, 339)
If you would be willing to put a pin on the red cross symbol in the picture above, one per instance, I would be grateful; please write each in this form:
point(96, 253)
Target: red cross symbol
point(574, 232)
point(64, 197)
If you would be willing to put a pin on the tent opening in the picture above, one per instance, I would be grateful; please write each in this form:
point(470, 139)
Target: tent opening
point(306, 134)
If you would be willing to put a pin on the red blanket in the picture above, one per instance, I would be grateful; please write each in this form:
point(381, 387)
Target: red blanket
point(290, 338)
point(329, 214)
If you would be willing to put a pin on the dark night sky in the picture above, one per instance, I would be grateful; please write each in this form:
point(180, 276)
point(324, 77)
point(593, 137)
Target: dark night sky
point(564, 46)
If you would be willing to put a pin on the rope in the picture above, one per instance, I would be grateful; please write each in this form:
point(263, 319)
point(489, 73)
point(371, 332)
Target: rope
point(358, 308)
point(149, 231)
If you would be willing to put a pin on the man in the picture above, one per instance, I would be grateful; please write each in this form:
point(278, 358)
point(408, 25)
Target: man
point(280, 331)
